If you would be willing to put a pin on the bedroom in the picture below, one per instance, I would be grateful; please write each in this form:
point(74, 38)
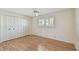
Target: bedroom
point(39, 29)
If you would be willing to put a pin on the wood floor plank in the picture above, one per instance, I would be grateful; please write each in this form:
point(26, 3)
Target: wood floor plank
point(35, 43)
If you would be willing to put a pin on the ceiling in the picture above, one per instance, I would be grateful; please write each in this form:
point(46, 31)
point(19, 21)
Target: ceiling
point(29, 11)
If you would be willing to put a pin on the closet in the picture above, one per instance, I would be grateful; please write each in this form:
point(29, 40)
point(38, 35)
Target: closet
point(12, 27)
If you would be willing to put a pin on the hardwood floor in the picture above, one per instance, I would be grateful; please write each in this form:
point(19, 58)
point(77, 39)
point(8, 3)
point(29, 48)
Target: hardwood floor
point(35, 43)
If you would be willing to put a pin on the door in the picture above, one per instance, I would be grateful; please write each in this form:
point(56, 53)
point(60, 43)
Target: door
point(11, 27)
point(21, 24)
point(3, 28)
point(16, 27)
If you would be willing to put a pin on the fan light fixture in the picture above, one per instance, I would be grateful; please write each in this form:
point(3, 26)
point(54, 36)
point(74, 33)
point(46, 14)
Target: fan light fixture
point(36, 12)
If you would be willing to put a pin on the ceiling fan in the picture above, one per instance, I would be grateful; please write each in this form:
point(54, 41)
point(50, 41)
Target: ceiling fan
point(36, 12)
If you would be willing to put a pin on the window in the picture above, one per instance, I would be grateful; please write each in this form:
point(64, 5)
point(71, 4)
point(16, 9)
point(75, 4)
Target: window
point(41, 22)
point(46, 22)
point(51, 20)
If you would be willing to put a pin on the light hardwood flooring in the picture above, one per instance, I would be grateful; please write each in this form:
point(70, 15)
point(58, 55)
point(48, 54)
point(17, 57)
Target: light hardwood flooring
point(35, 43)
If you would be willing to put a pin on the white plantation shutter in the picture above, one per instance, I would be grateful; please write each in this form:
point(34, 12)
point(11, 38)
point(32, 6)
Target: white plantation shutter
point(46, 22)
point(51, 20)
point(41, 22)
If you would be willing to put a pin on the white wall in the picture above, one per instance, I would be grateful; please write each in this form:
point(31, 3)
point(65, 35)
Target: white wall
point(0, 27)
point(64, 28)
point(77, 28)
